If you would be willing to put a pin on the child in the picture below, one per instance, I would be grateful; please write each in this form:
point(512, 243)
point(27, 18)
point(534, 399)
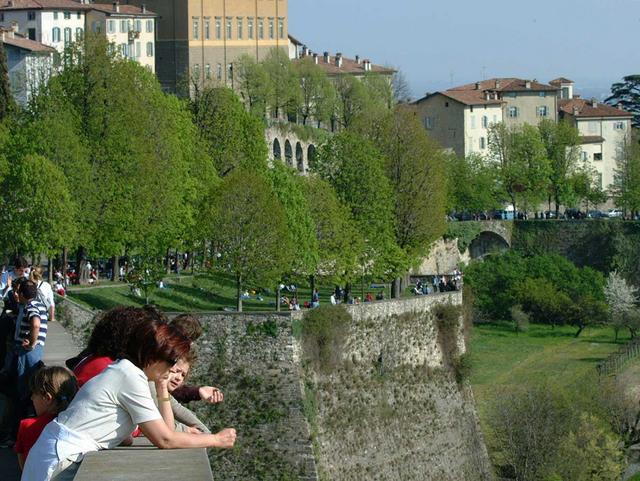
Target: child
point(52, 389)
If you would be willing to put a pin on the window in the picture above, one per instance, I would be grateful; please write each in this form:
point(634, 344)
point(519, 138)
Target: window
point(584, 156)
point(229, 27)
point(138, 49)
point(196, 28)
point(219, 71)
point(31, 34)
point(138, 24)
point(620, 125)
point(55, 16)
point(483, 143)
point(79, 33)
point(67, 15)
point(542, 111)
point(230, 71)
point(471, 108)
point(593, 127)
point(485, 121)
point(124, 26)
point(513, 112)
point(542, 94)
point(31, 15)
point(96, 26)
point(495, 119)
point(55, 34)
point(207, 71)
point(149, 26)
point(196, 71)
point(149, 49)
point(78, 15)
point(240, 25)
point(599, 180)
point(446, 104)
point(67, 36)
point(218, 28)
point(281, 27)
point(271, 31)
point(207, 28)
point(124, 49)
point(428, 123)
point(250, 27)
point(473, 121)
point(510, 94)
point(261, 28)
point(111, 26)
point(597, 156)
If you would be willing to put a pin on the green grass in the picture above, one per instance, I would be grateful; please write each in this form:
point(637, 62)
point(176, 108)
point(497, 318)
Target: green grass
point(502, 358)
point(200, 292)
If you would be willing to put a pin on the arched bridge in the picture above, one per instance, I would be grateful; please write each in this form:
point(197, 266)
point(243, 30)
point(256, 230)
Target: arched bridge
point(494, 235)
point(285, 146)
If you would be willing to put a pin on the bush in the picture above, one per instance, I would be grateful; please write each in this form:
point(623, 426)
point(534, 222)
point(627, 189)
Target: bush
point(323, 334)
point(520, 319)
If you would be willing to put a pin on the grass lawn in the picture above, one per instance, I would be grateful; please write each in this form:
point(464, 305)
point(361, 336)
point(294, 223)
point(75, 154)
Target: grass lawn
point(500, 357)
point(200, 292)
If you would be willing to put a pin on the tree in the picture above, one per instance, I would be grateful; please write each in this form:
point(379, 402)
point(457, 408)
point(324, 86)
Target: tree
point(249, 230)
point(253, 84)
point(626, 178)
point(561, 141)
point(470, 184)
point(379, 90)
point(585, 187)
point(284, 84)
point(7, 104)
point(521, 163)
point(317, 92)
point(626, 94)
point(622, 299)
point(234, 137)
point(400, 88)
point(351, 99)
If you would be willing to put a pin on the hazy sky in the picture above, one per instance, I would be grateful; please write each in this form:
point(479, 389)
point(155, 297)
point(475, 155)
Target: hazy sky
point(593, 42)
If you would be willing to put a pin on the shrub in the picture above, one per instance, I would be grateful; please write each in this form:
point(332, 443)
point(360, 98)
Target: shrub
point(462, 366)
point(323, 334)
point(520, 319)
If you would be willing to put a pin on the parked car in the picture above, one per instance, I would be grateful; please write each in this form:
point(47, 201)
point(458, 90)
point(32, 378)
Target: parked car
point(615, 213)
point(574, 214)
point(596, 214)
point(549, 214)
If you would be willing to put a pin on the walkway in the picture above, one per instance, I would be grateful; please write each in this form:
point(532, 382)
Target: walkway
point(59, 346)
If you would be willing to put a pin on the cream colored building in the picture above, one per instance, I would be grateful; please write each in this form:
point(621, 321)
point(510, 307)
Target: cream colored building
point(459, 117)
point(605, 132)
point(199, 40)
point(129, 28)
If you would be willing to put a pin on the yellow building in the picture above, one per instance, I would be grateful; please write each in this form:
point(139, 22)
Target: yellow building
point(199, 40)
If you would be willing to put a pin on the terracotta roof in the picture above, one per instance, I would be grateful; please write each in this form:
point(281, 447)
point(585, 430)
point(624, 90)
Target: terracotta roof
point(294, 40)
point(26, 44)
point(591, 139)
point(41, 5)
point(507, 85)
point(585, 108)
point(560, 80)
point(122, 10)
point(469, 97)
point(349, 66)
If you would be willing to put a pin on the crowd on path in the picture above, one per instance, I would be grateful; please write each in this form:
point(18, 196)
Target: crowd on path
point(128, 382)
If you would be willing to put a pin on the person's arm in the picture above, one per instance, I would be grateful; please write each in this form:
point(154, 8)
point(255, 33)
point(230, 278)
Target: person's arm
point(186, 417)
point(186, 393)
point(21, 460)
point(163, 401)
point(34, 331)
point(162, 437)
point(211, 394)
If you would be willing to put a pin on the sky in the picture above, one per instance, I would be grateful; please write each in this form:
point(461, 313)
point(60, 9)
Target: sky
point(438, 44)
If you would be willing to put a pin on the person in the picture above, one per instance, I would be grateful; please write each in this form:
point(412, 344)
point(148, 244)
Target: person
point(45, 292)
point(20, 269)
point(52, 389)
point(108, 407)
point(380, 295)
point(332, 299)
point(315, 298)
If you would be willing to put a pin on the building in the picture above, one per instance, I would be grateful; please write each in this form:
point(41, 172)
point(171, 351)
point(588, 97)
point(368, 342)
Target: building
point(604, 132)
point(337, 65)
point(58, 23)
point(30, 65)
point(459, 117)
point(199, 40)
point(130, 28)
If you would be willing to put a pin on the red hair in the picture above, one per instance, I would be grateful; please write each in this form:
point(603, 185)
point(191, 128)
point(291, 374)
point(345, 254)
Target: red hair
point(156, 340)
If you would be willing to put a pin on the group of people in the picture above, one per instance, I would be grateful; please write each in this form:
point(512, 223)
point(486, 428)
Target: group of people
point(128, 382)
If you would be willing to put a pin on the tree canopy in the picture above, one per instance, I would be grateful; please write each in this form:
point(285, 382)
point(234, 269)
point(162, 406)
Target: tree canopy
point(626, 94)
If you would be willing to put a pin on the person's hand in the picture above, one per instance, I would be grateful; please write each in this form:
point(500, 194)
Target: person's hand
point(226, 438)
point(193, 430)
point(27, 345)
point(9, 281)
point(162, 385)
point(210, 394)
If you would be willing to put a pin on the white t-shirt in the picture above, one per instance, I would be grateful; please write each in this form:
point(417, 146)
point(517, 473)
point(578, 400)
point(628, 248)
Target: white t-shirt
point(45, 294)
point(109, 406)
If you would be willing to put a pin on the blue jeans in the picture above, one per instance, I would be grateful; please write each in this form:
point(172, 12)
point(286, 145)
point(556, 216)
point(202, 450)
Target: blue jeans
point(26, 362)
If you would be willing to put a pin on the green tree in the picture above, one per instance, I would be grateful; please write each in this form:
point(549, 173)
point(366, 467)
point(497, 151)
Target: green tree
point(7, 104)
point(561, 141)
point(626, 94)
point(352, 99)
point(379, 90)
point(249, 230)
point(234, 137)
point(585, 187)
point(36, 211)
point(284, 84)
point(317, 92)
point(470, 184)
point(252, 84)
point(521, 163)
point(626, 179)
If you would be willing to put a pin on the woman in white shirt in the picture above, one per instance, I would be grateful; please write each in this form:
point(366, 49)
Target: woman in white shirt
point(45, 292)
point(108, 407)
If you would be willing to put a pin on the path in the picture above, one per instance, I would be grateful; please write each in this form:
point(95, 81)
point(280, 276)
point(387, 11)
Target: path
point(59, 346)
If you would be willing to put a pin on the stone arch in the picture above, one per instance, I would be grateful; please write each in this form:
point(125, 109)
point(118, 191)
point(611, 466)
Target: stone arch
point(299, 157)
point(277, 150)
point(311, 155)
point(288, 153)
point(486, 243)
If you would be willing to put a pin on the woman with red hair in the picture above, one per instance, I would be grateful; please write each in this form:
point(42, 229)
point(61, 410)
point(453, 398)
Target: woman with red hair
point(109, 406)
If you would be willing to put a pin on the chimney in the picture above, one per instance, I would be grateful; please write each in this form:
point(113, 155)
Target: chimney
point(527, 84)
point(143, 8)
point(326, 57)
point(367, 65)
point(305, 50)
point(487, 95)
point(14, 28)
point(338, 60)
point(594, 103)
point(576, 110)
point(497, 84)
point(315, 58)
point(358, 61)
point(116, 6)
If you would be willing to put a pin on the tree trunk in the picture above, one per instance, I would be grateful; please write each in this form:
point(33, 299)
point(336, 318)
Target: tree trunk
point(204, 254)
point(50, 269)
point(238, 292)
point(312, 284)
point(396, 287)
point(115, 269)
point(278, 296)
point(557, 201)
point(80, 264)
point(168, 262)
point(347, 292)
point(64, 266)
